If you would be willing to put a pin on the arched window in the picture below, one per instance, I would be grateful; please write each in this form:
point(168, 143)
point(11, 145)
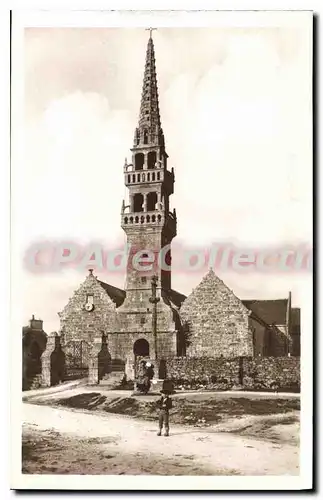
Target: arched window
point(145, 137)
point(139, 161)
point(129, 179)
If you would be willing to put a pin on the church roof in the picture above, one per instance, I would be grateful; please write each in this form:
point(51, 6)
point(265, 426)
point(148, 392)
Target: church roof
point(270, 311)
point(115, 294)
point(176, 297)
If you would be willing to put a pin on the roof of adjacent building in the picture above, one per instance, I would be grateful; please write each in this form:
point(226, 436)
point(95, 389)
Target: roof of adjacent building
point(117, 295)
point(176, 297)
point(270, 311)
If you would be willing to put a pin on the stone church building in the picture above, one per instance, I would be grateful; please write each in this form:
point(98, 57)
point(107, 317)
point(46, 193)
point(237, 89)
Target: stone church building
point(103, 329)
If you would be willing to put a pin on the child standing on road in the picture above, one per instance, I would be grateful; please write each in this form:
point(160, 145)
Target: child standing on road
point(164, 404)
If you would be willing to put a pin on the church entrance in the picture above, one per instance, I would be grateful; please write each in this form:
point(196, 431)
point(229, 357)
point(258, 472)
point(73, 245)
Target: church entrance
point(141, 351)
point(141, 348)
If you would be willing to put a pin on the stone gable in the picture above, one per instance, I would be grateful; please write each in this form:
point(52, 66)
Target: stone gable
point(78, 324)
point(218, 321)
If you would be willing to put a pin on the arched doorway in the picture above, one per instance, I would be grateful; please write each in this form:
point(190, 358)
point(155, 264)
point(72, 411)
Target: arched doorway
point(141, 347)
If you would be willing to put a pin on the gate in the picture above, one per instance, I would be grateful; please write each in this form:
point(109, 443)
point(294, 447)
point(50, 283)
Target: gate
point(76, 359)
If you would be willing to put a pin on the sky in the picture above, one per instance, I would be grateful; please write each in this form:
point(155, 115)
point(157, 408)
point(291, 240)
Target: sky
point(235, 108)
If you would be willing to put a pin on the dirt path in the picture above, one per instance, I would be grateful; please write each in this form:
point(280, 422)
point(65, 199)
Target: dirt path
point(215, 452)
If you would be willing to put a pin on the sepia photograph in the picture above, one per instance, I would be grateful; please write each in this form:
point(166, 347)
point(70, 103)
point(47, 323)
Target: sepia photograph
point(161, 219)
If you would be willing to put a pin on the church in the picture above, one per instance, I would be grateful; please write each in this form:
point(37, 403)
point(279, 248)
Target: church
point(104, 329)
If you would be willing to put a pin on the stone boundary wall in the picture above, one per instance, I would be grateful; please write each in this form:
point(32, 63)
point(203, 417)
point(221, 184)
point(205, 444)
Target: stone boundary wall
point(261, 373)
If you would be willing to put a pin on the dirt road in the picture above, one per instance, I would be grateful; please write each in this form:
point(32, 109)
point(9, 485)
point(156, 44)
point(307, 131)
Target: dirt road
point(198, 451)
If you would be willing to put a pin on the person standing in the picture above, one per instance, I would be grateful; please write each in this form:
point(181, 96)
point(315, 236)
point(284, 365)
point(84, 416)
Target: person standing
point(164, 404)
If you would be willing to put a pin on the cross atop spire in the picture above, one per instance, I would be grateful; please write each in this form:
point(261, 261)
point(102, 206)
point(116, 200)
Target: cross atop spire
point(150, 31)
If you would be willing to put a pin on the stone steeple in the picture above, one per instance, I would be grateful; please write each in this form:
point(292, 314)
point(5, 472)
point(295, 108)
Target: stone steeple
point(146, 218)
point(149, 129)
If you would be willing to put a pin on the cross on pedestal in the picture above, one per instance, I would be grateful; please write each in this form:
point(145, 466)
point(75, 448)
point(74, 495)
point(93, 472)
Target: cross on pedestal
point(154, 300)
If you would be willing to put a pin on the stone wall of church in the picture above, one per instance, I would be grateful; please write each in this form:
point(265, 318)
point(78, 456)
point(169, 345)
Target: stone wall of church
point(136, 323)
point(78, 324)
point(218, 322)
point(121, 345)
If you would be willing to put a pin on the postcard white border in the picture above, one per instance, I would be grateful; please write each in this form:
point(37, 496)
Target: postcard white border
point(26, 18)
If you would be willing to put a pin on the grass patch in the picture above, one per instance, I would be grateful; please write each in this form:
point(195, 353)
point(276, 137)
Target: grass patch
point(186, 410)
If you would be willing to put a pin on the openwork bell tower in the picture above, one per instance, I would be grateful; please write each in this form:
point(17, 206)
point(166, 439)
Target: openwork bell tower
point(147, 220)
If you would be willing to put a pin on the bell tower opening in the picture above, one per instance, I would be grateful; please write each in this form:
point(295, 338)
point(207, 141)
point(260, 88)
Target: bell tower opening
point(139, 161)
point(152, 157)
point(151, 201)
point(138, 201)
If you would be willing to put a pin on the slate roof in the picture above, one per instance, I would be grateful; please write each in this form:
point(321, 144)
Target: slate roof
point(115, 294)
point(118, 295)
point(270, 311)
point(176, 297)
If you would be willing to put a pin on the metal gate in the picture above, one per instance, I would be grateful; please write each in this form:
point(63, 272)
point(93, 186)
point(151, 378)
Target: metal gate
point(76, 359)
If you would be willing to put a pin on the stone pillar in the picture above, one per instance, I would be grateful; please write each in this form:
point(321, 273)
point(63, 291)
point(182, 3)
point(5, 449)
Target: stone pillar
point(94, 361)
point(159, 201)
point(52, 343)
point(131, 203)
point(130, 369)
point(145, 161)
point(145, 201)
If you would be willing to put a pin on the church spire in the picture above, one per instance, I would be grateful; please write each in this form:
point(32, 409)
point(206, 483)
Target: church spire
point(146, 217)
point(149, 131)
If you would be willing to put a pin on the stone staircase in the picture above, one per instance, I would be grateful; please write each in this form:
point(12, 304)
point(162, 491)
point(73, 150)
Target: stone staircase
point(112, 380)
point(156, 385)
